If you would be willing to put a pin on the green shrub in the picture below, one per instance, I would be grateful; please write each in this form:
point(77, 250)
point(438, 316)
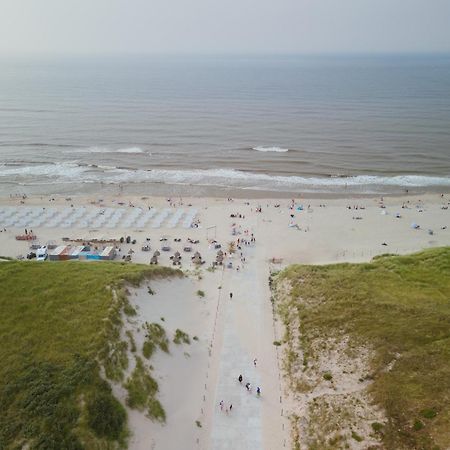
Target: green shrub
point(356, 437)
point(154, 338)
point(181, 336)
point(377, 427)
point(106, 416)
point(200, 293)
point(327, 376)
point(156, 411)
point(428, 413)
point(140, 387)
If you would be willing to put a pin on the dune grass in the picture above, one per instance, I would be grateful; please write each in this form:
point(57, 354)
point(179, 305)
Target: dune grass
point(59, 323)
point(155, 337)
point(400, 307)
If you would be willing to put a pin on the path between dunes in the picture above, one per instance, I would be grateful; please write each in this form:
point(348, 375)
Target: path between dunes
point(246, 333)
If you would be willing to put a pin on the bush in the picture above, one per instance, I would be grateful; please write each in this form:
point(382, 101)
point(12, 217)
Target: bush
point(200, 293)
point(140, 386)
point(327, 376)
point(429, 413)
point(356, 437)
point(106, 416)
point(377, 427)
point(418, 425)
point(155, 337)
point(156, 411)
point(181, 337)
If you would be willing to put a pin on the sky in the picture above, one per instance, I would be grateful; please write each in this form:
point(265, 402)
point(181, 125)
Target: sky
point(223, 26)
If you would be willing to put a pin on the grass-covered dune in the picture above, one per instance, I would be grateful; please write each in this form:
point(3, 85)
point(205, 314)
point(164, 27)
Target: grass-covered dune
point(59, 331)
point(396, 307)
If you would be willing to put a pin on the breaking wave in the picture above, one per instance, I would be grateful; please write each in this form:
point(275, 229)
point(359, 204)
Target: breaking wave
point(270, 149)
point(89, 173)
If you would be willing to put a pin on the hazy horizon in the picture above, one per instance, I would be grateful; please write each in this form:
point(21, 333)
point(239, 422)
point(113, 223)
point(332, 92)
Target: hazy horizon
point(300, 27)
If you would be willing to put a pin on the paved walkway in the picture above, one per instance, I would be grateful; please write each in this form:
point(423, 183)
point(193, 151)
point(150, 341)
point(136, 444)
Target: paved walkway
point(242, 428)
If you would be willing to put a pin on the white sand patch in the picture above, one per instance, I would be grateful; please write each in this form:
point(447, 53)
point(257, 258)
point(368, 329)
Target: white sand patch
point(181, 373)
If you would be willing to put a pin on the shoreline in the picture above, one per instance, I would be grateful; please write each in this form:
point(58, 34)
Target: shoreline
point(220, 194)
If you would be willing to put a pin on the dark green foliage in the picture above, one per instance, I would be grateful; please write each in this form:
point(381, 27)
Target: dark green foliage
point(356, 437)
point(377, 427)
point(181, 337)
point(155, 337)
point(106, 416)
point(428, 413)
point(156, 411)
point(142, 389)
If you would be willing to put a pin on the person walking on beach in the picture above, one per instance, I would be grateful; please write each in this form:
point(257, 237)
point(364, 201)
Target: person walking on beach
point(258, 391)
point(231, 406)
point(240, 378)
point(254, 362)
point(231, 295)
point(248, 386)
point(221, 405)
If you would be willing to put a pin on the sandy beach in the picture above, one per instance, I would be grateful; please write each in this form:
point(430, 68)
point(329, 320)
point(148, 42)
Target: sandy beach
point(235, 333)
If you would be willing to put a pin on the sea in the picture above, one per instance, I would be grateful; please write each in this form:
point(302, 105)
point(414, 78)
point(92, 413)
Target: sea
point(225, 125)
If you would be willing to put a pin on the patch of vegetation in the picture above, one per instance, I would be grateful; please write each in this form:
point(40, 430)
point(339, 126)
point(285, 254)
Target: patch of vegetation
point(155, 410)
point(181, 337)
point(59, 323)
point(200, 293)
point(277, 343)
point(377, 426)
point(428, 413)
point(195, 338)
point(106, 415)
point(356, 437)
point(142, 390)
point(399, 306)
point(132, 341)
point(198, 423)
point(327, 376)
point(155, 337)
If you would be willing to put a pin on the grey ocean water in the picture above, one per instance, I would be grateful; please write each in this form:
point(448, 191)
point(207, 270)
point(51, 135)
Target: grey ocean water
point(358, 124)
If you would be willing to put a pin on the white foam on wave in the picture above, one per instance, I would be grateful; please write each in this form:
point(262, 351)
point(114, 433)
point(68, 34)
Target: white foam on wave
point(271, 149)
point(70, 172)
point(130, 150)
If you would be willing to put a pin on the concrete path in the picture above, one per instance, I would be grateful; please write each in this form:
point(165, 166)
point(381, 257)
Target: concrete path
point(242, 427)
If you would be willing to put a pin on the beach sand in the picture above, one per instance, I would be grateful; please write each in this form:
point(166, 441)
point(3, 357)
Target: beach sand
point(233, 332)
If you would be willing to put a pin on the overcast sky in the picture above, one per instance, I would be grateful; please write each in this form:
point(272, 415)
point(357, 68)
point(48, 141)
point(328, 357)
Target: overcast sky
point(223, 26)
